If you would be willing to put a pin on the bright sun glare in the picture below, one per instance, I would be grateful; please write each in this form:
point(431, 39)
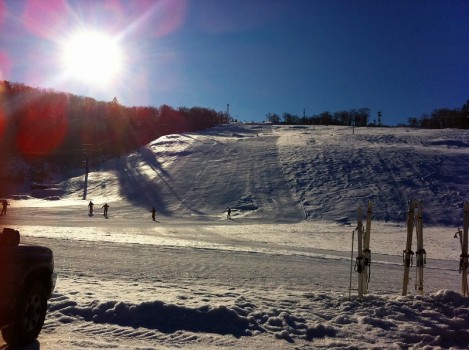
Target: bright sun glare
point(92, 58)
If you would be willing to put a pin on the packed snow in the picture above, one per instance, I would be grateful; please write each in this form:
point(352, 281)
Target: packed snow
point(275, 274)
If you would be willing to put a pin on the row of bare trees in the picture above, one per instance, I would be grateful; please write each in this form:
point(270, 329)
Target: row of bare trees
point(40, 124)
point(353, 117)
point(443, 118)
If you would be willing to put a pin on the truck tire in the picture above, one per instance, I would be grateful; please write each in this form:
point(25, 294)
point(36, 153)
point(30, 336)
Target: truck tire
point(29, 315)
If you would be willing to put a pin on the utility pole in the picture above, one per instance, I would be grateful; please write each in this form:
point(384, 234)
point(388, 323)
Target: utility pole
point(228, 111)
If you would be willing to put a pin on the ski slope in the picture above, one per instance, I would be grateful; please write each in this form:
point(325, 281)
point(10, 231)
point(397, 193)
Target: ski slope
point(274, 275)
point(331, 169)
point(235, 168)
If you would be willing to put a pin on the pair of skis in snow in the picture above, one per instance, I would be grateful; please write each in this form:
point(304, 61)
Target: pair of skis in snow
point(363, 259)
point(420, 254)
point(414, 218)
point(464, 260)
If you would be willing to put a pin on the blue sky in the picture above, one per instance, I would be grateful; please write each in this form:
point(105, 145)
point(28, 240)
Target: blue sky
point(404, 58)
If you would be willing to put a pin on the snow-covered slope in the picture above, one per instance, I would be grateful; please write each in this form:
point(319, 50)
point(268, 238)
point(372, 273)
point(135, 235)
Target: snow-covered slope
point(333, 169)
point(267, 278)
point(288, 173)
point(198, 176)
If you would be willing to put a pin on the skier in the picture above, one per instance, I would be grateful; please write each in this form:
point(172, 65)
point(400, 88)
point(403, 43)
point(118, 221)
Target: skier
point(4, 207)
point(229, 213)
point(90, 205)
point(105, 206)
point(153, 213)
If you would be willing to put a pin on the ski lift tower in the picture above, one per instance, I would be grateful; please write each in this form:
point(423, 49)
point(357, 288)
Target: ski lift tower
point(86, 149)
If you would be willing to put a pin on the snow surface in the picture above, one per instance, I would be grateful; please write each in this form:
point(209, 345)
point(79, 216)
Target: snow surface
point(274, 275)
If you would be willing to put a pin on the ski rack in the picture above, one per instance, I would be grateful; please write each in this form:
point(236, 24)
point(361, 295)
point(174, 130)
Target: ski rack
point(421, 255)
point(464, 259)
point(363, 259)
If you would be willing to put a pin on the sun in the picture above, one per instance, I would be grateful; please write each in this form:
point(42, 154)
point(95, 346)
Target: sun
point(92, 57)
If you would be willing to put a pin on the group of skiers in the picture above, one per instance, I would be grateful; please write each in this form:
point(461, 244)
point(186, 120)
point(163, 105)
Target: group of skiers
point(105, 207)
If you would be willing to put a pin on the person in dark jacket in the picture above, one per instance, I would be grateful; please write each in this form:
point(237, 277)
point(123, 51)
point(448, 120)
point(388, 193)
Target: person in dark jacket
point(105, 207)
point(90, 206)
point(4, 207)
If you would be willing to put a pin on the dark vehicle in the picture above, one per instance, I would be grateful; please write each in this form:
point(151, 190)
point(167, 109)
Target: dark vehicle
point(27, 280)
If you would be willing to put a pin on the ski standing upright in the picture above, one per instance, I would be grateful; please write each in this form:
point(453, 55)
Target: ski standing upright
point(464, 260)
point(359, 263)
point(363, 260)
point(420, 254)
point(408, 254)
point(366, 249)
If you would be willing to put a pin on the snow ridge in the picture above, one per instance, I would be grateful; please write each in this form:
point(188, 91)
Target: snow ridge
point(437, 321)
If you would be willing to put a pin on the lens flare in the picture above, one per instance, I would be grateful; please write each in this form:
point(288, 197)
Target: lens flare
point(43, 128)
point(2, 121)
point(5, 65)
point(45, 18)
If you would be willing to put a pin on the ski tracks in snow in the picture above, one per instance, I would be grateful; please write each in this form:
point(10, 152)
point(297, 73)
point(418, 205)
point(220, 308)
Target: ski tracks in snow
point(334, 169)
point(241, 167)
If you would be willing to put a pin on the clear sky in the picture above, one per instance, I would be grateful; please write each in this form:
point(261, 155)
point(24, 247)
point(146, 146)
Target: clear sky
point(402, 57)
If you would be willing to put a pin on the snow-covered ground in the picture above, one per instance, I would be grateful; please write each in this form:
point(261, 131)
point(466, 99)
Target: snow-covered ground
point(274, 275)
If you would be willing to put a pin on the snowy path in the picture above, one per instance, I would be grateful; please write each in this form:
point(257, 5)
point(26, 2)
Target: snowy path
point(108, 289)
